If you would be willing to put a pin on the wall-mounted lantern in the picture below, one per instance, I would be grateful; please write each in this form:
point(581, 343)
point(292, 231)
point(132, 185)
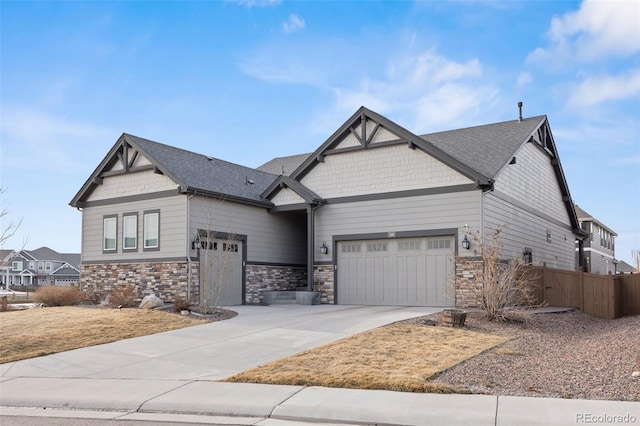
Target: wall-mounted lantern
point(323, 248)
point(196, 244)
point(466, 244)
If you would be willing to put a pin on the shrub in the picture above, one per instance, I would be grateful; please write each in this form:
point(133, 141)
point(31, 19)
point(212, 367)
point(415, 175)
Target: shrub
point(122, 297)
point(58, 296)
point(180, 304)
point(507, 285)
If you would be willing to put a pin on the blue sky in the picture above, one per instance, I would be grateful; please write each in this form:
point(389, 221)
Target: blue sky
point(249, 80)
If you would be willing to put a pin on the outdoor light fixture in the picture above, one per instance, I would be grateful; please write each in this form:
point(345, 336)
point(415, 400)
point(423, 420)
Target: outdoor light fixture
point(466, 244)
point(323, 248)
point(195, 244)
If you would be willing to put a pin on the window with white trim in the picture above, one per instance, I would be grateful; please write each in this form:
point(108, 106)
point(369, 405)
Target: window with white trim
point(151, 230)
point(109, 233)
point(16, 265)
point(40, 266)
point(47, 266)
point(130, 231)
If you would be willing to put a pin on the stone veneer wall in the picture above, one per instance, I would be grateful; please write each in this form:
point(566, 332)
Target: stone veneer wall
point(468, 284)
point(323, 282)
point(164, 279)
point(260, 278)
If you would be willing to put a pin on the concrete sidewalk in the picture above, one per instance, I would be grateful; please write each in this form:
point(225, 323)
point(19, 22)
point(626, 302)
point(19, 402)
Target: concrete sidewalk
point(172, 377)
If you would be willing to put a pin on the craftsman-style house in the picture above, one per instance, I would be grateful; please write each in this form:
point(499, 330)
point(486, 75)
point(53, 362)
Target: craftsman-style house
point(375, 215)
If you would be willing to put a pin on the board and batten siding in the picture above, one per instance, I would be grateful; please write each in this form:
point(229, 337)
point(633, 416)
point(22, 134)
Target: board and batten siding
point(172, 230)
point(526, 227)
point(379, 170)
point(418, 213)
point(277, 238)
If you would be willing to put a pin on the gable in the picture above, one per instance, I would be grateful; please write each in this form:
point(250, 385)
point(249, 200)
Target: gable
point(366, 130)
point(286, 196)
point(376, 170)
point(532, 181)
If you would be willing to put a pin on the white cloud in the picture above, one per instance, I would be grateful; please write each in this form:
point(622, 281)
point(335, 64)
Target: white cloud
point(295, 23)
point(256, 3)
point(595, 90)
point(35, 140)
point(524, 79)
point(599, 29)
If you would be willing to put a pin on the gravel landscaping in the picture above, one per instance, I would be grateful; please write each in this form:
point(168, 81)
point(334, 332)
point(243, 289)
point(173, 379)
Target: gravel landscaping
point(562, 355)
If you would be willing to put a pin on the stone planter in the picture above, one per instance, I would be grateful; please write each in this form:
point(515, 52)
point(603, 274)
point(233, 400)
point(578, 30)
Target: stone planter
point(454, 317)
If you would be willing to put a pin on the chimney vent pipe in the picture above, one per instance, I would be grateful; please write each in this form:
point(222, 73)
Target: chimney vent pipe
point(520, 111)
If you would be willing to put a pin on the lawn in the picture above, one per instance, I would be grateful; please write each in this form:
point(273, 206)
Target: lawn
point(43, 331)
point(402, 356)
point(399, 357)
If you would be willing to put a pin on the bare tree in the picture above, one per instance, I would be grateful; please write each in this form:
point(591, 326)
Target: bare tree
point(215, 257)
point(507, 284)
point(635, 254)
point(11, 228)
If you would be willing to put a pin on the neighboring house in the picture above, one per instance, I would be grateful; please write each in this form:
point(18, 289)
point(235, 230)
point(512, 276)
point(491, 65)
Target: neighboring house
point(624, 268)
point(43, 266)
point(376, 215)
point(599, 247)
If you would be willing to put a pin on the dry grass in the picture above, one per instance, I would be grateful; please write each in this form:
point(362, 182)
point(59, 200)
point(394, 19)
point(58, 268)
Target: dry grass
point(35, 332)
point(399, 357)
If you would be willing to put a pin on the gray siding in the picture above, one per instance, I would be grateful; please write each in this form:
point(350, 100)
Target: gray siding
point(172, 230)
point(427, 212)
point(271, 237)
point(526, 227)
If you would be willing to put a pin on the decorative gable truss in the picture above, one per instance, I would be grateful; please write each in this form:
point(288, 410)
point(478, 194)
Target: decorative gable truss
point(368, 130)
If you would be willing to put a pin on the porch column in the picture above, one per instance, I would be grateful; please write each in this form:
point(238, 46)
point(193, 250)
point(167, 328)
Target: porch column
point(310, 247)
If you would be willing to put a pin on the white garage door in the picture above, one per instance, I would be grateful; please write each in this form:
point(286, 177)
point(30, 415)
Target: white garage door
point(221, 273)
point(400, 272)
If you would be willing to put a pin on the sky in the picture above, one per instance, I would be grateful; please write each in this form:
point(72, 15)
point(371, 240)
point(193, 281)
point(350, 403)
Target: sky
point(249, 80)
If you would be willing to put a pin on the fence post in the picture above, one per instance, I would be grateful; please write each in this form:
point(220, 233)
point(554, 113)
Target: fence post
point(581, 290)
point(544, 283)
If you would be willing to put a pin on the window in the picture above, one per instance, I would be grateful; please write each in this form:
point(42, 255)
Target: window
point(32, 265)
point(409, 245)
point(40, 266)
point(47, 266)
point(109, 232)
point(130, 231)
point(439, 244)
point(376, 246)
point(152, 230)
point(16, 265)
point(351, 248)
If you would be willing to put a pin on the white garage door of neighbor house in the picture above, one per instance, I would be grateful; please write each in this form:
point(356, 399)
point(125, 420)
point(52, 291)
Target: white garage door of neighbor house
point(221, 281)
point(397, 272)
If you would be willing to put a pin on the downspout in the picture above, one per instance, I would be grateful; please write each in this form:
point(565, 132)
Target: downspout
point(189, 274)
point(311, 243)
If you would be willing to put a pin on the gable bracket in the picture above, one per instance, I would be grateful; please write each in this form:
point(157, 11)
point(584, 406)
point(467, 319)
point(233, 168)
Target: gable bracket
point(372, 134)
point(355, 134)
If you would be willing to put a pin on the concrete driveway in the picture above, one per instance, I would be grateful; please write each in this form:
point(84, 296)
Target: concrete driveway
point(259, 334)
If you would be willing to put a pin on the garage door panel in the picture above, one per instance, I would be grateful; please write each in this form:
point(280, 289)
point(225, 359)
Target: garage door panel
point(403, 272)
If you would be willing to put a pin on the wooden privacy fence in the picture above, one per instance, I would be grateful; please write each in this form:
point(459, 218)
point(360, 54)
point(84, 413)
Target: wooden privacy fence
point(601, 296)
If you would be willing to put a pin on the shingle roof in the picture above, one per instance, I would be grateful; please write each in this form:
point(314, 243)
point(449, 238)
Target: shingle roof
point(283, 165)
point(45, 254)
point(583, 216)
point(197, 172)
point(486, 148)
